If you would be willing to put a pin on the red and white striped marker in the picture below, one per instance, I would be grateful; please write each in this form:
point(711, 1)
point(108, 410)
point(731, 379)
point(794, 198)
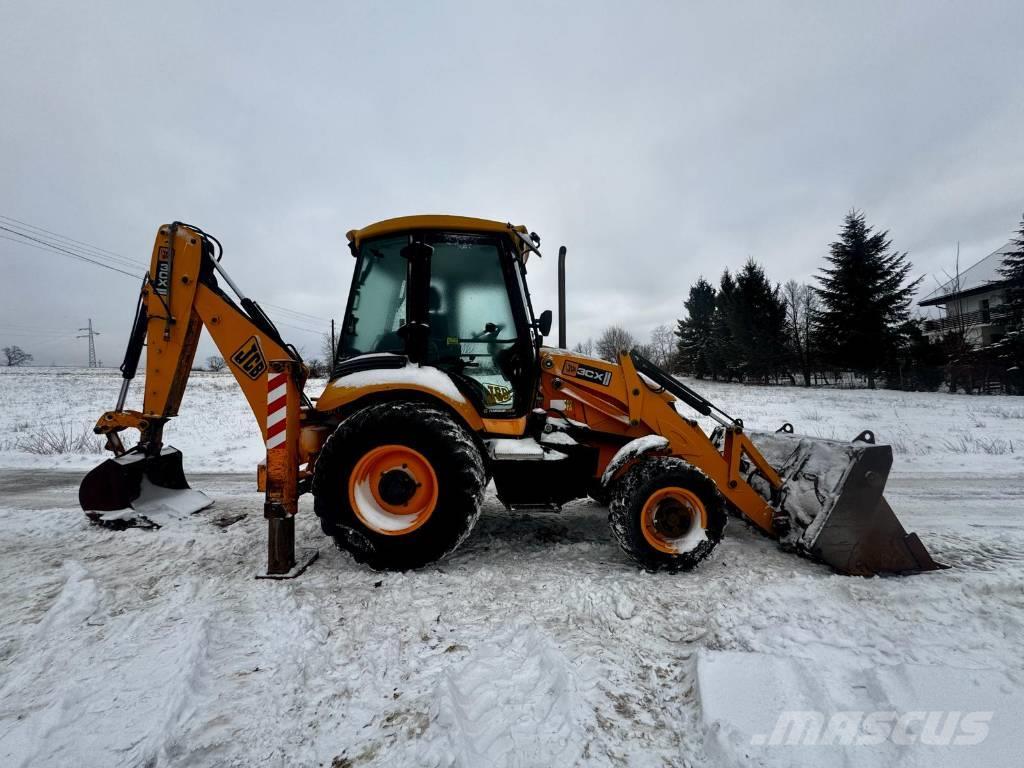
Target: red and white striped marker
point(277, 409)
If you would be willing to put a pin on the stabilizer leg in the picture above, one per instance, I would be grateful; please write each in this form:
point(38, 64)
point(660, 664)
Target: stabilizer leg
point(281, 560)
point(282, 502)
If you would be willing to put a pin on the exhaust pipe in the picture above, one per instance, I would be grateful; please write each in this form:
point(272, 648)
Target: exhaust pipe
point(561, 298)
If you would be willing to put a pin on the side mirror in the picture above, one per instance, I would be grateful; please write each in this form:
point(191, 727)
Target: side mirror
point(544, 322)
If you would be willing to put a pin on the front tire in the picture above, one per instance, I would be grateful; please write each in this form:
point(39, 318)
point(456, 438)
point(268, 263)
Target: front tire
point(399, 485)
point(666, 514)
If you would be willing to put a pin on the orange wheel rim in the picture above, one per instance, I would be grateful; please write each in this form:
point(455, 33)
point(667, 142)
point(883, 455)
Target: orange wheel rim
point(674, 520)
point(393, 490)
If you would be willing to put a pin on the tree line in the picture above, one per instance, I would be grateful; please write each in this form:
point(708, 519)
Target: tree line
point(855, 317)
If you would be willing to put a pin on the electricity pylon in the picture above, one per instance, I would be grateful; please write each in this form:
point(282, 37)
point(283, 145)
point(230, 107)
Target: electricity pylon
point(92, 344)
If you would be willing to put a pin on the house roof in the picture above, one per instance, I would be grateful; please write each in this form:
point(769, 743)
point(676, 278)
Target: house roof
point(982, 276)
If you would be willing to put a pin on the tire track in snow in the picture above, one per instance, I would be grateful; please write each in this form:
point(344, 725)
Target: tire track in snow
point(513, 702)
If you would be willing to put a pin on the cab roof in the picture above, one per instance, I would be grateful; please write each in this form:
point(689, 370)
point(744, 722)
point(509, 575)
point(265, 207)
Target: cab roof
point(437, 222)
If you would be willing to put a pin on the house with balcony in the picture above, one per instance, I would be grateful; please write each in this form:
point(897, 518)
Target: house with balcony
point(974, 302)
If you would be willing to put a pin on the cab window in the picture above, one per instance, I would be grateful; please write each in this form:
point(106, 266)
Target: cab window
point(473, 333)
point(377, 308)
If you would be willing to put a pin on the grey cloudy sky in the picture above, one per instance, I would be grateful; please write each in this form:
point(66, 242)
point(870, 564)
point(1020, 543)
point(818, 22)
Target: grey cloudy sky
point(658, 141)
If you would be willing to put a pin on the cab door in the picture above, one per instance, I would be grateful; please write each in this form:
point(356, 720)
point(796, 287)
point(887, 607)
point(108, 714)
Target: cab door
point(476, 331)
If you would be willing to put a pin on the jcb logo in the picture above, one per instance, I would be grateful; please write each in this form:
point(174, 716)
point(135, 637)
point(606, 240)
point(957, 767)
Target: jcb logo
point(163, 271)
point(249, 357)
point(497, 394)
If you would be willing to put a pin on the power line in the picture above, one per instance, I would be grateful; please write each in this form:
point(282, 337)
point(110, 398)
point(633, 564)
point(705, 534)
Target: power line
point(16, 327)
point(296, 313)
point(99, 252)
point(37, 334)
point(45, 246)
point(43, 239)
point(301, 328)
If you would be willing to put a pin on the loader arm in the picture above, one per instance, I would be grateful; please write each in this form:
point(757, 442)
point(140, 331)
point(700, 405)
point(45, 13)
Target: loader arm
point(179, 297)
point(617, 399)
point(821, 498)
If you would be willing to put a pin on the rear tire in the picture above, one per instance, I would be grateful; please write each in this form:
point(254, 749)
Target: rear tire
point(666, 514)
point(444, 457)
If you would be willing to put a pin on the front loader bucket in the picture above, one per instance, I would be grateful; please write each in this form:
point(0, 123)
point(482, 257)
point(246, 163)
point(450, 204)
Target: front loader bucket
point(135, 489)
point(832, 497)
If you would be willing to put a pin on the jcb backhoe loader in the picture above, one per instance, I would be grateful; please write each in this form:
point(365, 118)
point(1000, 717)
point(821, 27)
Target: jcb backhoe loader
point(442, 382)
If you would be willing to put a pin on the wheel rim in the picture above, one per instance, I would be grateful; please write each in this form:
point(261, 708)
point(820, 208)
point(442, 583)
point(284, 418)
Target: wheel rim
point(674, 520)
point(393, 490)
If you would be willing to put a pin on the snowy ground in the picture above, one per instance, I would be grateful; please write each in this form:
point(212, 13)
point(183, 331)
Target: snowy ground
point(536, 644)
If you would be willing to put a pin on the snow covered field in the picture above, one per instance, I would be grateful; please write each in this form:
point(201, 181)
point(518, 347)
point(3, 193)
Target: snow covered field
point(536, 644)
point(216, 431)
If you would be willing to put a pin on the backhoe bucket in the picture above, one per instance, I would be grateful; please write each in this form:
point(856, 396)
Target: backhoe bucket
point(832, 497)
point(139, 490)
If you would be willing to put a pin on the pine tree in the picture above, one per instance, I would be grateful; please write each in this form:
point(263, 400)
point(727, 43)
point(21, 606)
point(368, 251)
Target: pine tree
point(694, 331)
point(1013, 270)
point(723, 355)
point(865, 299)
point(1010, 350)
point(757, 321)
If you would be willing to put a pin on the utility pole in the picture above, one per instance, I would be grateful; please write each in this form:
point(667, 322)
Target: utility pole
point(92, 344)
point(334, 346)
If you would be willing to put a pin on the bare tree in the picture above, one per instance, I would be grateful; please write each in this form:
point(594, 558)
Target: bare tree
point(585, 347)
point(644, 350)
point(663, 346)
point(215, 363)
point(318, 369)
point(328, 350)
point(801, 306)
point(15, 355)
point(613, 340)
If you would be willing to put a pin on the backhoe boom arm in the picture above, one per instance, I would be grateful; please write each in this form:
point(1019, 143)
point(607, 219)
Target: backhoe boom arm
point(179, 297)
point(174, 306)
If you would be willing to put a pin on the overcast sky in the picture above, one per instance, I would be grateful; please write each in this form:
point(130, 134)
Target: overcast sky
point(658, 141)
